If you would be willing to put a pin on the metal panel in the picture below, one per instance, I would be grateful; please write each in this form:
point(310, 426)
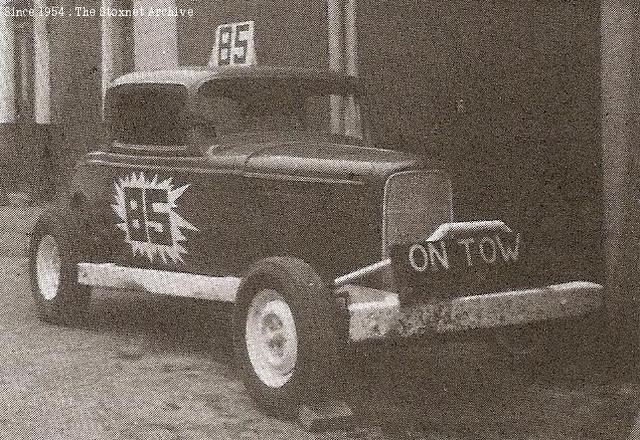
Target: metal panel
point(415, 204)
point(378, 314)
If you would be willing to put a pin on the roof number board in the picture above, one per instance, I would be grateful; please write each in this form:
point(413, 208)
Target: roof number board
point(234, 45)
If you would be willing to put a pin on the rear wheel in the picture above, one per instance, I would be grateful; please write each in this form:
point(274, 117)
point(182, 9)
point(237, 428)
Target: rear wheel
point(284, 334)
point(56, 247)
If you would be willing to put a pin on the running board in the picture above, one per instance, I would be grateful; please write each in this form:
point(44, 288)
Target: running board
point(160, 282)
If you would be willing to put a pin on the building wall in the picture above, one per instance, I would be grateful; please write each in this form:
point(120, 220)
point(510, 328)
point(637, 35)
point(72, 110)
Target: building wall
point(7, 97)
point(155, 38)
point(75, 74)
point(287, 33)
point(507, 93)
point(620, 133)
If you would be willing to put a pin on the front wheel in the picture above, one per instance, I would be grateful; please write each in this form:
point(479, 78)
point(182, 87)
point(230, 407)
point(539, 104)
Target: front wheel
point(55, 249)
point(284, 334)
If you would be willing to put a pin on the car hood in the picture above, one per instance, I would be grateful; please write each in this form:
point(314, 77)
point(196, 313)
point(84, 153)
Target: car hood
point(322, 160)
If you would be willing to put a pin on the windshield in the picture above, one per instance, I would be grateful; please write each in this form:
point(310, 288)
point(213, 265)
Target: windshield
point(230, 107)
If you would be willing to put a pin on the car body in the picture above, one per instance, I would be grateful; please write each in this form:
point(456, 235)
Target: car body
point(208, 170)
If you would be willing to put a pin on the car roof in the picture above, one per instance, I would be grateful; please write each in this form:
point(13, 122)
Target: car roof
point(192, 77)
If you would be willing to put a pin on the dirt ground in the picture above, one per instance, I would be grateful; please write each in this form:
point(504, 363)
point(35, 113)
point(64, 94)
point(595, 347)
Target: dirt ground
point(145, 367)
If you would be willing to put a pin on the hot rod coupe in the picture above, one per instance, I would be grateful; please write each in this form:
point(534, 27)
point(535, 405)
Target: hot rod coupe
point(260, 186)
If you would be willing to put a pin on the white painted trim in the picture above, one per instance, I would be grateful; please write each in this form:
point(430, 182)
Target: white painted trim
point(159, 281)
point(377, 314)
point(364, 271)
point(445, 230)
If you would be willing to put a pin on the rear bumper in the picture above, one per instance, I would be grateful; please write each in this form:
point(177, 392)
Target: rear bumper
point(377, 314)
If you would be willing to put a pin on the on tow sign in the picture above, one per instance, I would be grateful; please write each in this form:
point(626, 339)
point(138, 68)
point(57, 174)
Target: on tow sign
point(234, 45)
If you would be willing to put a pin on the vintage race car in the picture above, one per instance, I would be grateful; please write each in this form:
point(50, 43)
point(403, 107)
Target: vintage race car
point(259, 186)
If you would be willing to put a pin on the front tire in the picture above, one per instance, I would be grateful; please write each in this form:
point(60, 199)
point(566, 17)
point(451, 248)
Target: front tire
point(285, 335)
point(55, 249)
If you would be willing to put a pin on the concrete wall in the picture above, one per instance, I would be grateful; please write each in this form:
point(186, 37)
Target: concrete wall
point(621, 162)
point(508, 94)
point(7, 98)
point(287, 33)
point(155, 38)
point(75, 63)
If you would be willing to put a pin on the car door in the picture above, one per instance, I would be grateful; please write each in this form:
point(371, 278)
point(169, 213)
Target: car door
point(163, 205)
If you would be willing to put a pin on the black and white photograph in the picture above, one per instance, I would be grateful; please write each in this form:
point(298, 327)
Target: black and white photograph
point(319, 219)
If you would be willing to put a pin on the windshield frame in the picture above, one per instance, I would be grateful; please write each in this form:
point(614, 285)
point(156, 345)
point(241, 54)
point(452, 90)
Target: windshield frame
point(347, 86)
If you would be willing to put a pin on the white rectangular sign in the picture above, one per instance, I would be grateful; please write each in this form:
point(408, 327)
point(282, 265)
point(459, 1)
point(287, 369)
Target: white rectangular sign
point(234, 45)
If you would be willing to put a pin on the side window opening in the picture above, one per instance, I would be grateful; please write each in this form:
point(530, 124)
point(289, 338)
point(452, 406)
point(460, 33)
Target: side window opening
point(150, 116)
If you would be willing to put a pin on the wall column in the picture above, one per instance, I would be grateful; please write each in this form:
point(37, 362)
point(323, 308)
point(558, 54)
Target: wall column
point(111, 47)
point(343, 58)
point(42, 93)
point(350, 38)
point(7, 104)
point(155, 38)
point(351, 117)
point(621, 166)
point(7, 71)
point(335, 19)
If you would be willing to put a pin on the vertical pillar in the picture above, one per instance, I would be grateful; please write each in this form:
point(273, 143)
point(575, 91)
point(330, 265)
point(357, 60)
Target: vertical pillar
point(335, 20)
point(343, 57)
point(351, 117)
point(111, 48)
point(155, 38)
point(350, 38)
point(7, 71)
point(621, 164)
point(8, 111)
point(42, 92)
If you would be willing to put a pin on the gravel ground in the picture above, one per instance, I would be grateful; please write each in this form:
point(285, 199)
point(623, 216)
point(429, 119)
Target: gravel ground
point(146, 367)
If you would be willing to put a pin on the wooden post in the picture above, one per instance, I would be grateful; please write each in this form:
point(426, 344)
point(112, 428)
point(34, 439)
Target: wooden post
point(620, 143)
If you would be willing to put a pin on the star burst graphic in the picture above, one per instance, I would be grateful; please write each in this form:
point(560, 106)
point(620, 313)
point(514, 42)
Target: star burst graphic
point(148, 217)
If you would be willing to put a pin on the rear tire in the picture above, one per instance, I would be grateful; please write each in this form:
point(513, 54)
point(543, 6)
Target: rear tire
point(56, 247)
point(284, 335)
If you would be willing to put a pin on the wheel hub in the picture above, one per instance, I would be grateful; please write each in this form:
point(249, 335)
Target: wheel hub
point(48, 267)
point(272, 342)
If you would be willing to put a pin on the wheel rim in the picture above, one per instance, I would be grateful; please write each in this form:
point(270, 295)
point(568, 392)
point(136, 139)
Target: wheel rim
point(271, 337)
point(48, 267)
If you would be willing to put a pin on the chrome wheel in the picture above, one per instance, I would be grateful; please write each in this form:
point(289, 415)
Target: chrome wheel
point(48, 267)
point(271, 338)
